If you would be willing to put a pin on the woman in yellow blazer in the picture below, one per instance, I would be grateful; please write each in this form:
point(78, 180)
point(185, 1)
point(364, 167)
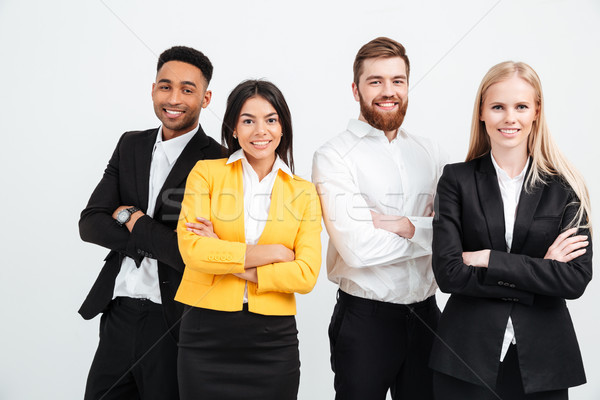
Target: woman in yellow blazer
point(249, 234)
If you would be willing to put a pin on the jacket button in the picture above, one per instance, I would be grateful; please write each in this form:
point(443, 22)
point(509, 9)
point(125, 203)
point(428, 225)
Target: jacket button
point(512, 285)
point(504, 299)
point(516, 300)
point(500, 283)
point(506, 284)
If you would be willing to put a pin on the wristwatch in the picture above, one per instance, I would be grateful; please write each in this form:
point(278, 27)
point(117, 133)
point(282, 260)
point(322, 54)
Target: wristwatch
point(124, 215)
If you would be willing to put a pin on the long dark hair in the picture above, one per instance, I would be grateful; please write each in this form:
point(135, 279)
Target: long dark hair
point(268, 91)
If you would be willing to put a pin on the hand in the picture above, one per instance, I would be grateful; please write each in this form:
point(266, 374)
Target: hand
point(399, 225)
point(479, 258)
point(249, 275)
point(566, 247)
point(202, 228)
point(132, 220)
point(285, 254)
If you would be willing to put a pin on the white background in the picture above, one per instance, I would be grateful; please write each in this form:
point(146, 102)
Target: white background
point(76, 74)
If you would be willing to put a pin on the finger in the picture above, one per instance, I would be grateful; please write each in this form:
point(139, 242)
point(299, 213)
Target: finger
point(570, 241)
point(194, 225)
point(203, 220)
point(575, 246)
point(574, 255)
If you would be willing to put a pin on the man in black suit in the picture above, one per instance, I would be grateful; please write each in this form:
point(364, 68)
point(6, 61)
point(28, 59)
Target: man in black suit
point(133, 212)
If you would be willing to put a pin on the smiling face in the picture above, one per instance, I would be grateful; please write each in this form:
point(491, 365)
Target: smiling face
point(382, 91)
point(508, 111)
point(258, 132)
point(178, 96)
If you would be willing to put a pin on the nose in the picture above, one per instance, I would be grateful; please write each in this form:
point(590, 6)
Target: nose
point(174, 97)
point(387, 89)
point(261, 127)
point(510, 117)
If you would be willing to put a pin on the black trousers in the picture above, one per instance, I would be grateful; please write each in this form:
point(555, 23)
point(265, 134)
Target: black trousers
point(509, 385)
point(237, 356)
point(136, 357)
point(376, 346)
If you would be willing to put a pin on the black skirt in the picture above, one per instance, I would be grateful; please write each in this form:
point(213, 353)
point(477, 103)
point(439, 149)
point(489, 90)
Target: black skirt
point(238, 356)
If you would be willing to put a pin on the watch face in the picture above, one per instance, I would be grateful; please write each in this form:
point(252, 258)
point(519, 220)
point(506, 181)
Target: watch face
point(123, 216)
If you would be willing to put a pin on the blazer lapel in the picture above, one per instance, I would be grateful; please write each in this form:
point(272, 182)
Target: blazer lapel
point(490, 200)
point(182, 167)
point(528, 203)
point(143, 159)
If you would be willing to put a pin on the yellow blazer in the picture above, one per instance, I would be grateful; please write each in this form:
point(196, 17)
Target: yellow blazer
point(214, 190)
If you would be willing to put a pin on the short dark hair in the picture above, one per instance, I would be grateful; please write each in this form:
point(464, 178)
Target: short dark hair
point(268, 91)
point(187, 55)
point(381, 47)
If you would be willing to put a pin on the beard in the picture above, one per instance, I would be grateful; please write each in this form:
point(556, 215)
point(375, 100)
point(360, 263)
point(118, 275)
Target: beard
point(384, 121)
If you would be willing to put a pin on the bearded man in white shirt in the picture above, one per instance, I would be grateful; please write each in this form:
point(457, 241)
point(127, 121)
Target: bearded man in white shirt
point(377, 184)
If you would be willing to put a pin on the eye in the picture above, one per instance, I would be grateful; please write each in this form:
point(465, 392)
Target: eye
point(272, 120)
point(374, 82)
point(163, 87)
point(188, 91)
point(497, 107)
point(399, 82)
point(522, 107)
point(247, 121)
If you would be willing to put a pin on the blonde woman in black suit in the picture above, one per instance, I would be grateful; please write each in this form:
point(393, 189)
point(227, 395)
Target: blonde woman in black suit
point(511, 242)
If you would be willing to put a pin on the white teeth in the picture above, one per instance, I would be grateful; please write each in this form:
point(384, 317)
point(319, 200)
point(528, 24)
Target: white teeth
point(174, 112)
point(261, 143)
point(509, 131)
point(386, 104)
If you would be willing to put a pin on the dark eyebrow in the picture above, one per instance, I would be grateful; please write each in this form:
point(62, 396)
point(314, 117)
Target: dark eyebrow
point(190, 83)
point(272, 114)
point(247, 115)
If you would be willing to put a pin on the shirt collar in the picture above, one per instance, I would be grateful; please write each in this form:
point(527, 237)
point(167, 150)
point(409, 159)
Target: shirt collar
point(504, 176)
point(279, 164)
point(174, 147)
point(362, 129)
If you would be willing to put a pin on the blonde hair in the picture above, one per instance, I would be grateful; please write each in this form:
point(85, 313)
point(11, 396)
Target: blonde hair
point(546, 158)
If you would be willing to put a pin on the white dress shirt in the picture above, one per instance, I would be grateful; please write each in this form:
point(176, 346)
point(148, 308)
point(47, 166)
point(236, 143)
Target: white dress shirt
point(257, 197)
point(142, 282)
point(510, 189)
point(361, 170)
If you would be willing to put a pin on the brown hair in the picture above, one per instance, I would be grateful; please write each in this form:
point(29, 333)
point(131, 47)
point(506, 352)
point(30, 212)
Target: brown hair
point(381, 47)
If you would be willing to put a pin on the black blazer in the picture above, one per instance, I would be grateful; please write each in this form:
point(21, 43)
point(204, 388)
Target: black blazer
point(126, 182)
point(469, 216)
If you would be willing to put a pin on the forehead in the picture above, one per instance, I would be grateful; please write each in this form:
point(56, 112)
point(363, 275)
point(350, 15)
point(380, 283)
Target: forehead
point(513, 88)
point(386, 67)
point(257, 105)
point(179, 71)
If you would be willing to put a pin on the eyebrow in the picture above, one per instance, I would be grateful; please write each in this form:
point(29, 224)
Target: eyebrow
point(190, 83)
point(370, 77)
point(253, 116)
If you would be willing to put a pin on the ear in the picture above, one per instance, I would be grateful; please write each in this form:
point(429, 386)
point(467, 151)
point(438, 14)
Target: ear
point(152, 92)
point(206, 100)
point(355, 91)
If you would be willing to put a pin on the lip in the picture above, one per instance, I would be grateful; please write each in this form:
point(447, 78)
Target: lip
point(173, 113)
point(509, 132)
point(261, 144)
point(387, 105)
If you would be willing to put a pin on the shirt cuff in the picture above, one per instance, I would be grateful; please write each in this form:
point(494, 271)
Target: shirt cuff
point(423, 231)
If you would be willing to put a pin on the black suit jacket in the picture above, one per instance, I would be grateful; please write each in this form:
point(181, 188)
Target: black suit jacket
point(469, 216)
point(126, 182)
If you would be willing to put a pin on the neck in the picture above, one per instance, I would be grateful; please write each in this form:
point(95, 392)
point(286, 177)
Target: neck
point(390, 135)
point(511, 162)
point(168, 134)
point(262, 167)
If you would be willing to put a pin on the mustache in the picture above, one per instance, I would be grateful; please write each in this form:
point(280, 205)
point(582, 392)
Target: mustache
point(387, 98)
